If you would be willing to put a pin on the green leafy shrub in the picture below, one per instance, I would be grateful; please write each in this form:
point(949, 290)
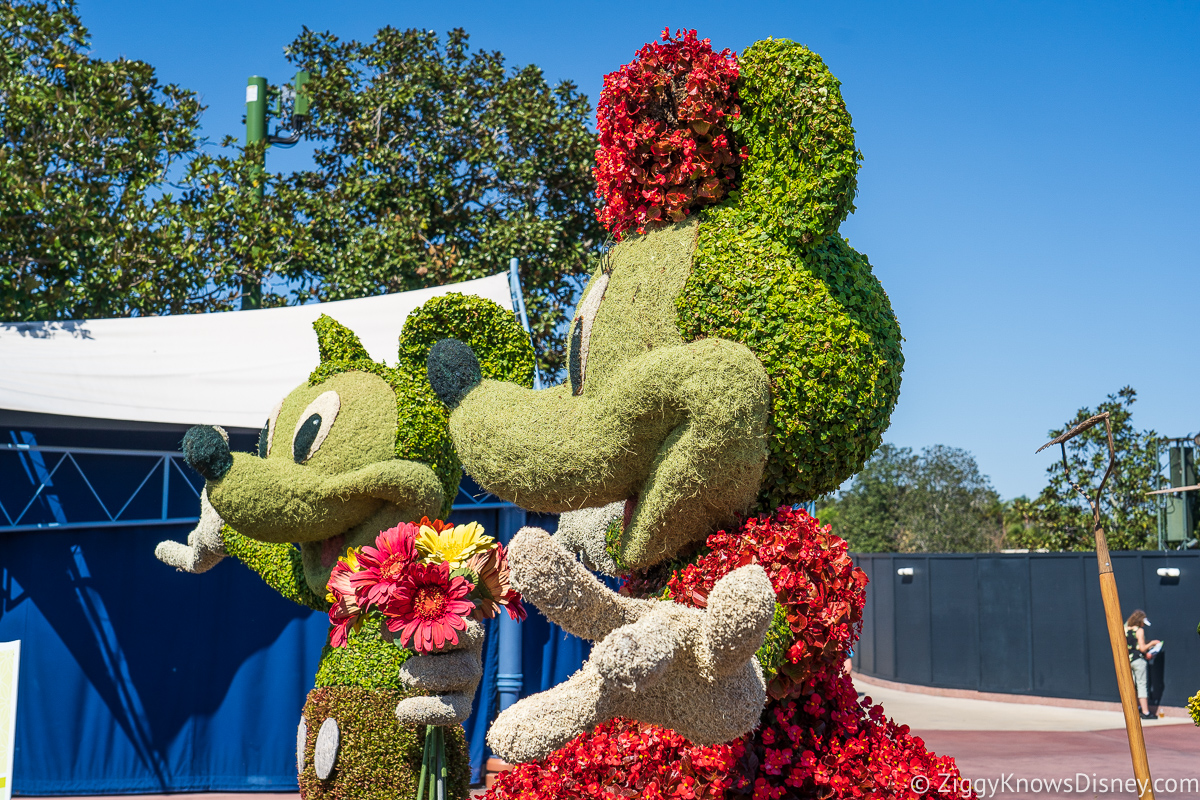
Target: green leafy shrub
point(823, 329)
point(501, 345)
point(369, 662)
point(379, 759)
point(799, 176)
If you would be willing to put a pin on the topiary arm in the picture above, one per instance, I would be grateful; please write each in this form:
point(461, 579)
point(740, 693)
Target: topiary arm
point(657, 662)
point(451, 675)
point(278, 565)
point(204, 547)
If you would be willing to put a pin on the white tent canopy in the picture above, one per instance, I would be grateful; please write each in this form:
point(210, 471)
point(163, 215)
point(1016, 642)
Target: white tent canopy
point(225, 369)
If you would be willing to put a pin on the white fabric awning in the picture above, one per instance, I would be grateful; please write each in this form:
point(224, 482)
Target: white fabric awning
point(225, 369)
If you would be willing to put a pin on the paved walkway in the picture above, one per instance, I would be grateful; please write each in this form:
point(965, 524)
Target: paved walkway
point(929, 712)
point(1021, 752)
point(1008, 750)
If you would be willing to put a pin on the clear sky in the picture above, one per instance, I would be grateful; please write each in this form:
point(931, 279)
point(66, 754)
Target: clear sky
point(1030, 194)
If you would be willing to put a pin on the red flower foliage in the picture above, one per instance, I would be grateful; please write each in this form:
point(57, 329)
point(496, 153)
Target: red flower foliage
point(815, 740)
point(822, 742)
point(814, 579)
point(623, 758)
point(665, 148)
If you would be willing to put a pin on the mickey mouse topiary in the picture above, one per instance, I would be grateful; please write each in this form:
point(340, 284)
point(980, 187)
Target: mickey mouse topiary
point(358, 448)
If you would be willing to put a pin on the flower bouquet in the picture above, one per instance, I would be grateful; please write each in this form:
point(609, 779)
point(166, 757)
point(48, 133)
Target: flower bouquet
point(421, 583)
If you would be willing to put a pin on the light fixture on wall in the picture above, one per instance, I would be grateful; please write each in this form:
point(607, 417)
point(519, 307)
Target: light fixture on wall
point(1168, 572)
point(908, 571)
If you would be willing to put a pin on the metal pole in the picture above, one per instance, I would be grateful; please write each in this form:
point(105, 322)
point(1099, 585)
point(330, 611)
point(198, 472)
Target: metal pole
point(1112, 607)
point(256, 132)
point(509, 674)
point(518, 296)
point(166, 487)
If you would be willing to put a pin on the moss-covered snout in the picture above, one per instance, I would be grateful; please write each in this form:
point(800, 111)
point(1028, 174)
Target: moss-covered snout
point(676, 432)
point(275, 500)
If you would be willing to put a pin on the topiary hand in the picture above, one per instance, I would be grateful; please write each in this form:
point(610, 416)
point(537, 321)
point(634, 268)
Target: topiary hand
point(453, 674)
point(204, 546)
point(658, 662)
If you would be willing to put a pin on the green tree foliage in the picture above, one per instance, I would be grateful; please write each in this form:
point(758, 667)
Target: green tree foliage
point(933, 502)
point(85, 147)
point(1059, 519)
point(246, 238)
point(436, 164)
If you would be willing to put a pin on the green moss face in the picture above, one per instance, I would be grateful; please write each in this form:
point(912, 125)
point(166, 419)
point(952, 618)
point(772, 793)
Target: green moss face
point(740, 360)
point(627, 309)
point(329, 479)
point(362, 447)
point(673, 429)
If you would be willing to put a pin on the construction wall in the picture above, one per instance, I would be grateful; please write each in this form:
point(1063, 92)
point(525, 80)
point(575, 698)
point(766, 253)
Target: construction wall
point(1026, 623)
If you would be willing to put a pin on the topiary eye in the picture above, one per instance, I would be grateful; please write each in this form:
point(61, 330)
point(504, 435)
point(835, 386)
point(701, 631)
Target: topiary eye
point(268, 432)
point(581, 332)
point(313, 426)
point(305, 436)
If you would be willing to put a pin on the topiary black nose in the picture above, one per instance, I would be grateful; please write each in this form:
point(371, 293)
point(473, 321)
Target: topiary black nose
point(453, 370)
point(206, 450)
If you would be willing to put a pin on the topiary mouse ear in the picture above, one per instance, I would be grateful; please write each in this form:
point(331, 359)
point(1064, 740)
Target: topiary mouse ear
point(500, 343)
point(799, 176)
point(336, 342)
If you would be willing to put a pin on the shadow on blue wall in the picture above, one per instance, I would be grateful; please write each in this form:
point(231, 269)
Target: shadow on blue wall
point(138, 678)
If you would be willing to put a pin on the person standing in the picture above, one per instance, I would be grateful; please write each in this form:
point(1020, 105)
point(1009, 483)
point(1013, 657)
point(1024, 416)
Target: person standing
point(1138, 647)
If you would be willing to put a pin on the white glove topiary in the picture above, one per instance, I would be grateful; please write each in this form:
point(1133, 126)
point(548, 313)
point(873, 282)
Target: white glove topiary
point(657, 662)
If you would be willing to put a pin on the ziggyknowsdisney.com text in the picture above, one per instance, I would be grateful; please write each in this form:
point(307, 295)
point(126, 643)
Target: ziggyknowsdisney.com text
point(1082, 783)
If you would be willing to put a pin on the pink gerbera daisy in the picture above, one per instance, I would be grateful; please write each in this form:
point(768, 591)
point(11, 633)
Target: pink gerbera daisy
point(384, 566)
point(428, 607)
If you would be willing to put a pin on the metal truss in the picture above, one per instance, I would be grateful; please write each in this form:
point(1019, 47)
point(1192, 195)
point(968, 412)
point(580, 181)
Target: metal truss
point(43, 464)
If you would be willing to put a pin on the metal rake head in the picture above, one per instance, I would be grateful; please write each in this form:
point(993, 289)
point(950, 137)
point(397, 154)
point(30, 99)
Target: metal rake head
point(1062, 440)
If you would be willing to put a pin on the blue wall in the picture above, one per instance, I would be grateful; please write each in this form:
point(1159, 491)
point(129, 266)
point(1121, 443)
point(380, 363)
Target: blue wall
point(138, 678)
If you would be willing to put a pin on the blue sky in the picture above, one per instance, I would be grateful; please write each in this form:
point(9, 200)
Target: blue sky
point(1030, 194)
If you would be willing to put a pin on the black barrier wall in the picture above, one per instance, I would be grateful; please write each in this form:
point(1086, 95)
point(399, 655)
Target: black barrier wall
point(1025, 623)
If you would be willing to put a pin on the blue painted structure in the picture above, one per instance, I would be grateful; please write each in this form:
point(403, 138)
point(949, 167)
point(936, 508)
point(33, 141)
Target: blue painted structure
point(138, 678)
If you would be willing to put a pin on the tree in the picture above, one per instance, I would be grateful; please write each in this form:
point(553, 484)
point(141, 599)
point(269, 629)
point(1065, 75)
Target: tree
point(1059, 519)
point(435, 165)
point(85, 148)
point(934, 502)
point(868, 513)
point(247, 237)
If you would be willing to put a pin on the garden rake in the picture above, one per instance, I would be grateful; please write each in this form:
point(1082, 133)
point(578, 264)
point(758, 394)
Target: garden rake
point(1112, 605)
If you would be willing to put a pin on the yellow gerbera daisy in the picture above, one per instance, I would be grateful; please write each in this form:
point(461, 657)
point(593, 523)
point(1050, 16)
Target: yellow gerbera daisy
point(455, 545)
